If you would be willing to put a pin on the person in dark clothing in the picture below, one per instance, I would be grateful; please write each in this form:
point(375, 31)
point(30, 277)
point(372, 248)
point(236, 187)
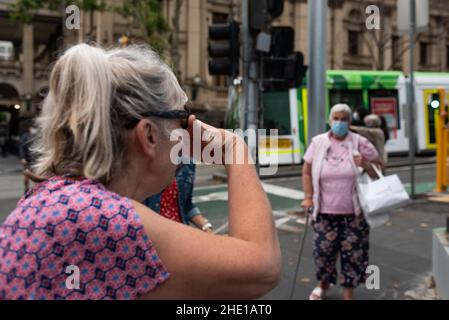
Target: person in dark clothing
point(357, 117)
point(26, 156)
point(384, 127)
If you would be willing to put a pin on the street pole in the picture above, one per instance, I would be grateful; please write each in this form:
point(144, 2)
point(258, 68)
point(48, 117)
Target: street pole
point(250, 84)
point(317, 12)
point(412, 140)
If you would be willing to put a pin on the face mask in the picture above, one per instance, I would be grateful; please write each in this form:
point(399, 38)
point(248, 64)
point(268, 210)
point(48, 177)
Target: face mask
point(340, 128)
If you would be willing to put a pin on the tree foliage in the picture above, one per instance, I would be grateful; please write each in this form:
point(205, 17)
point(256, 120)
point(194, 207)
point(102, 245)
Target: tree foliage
point(146, 13)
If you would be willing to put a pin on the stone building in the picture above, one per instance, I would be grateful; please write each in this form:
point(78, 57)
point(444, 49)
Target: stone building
point(24, 72)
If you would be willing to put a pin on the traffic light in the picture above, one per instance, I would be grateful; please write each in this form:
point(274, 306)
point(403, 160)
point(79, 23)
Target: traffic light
point(275, 8)
point(224, 49)
point(295, 69)
point(283, 67)
point(282, 41)
point(435, 100)
point(264, 11)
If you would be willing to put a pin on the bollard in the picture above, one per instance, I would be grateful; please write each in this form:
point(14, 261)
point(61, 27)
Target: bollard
point(441, 179)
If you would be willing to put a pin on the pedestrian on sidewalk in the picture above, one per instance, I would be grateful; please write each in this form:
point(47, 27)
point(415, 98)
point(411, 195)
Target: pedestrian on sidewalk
point(379, 138)
point(370, 129)
point(104, 147)
point(384, 127)
point(175, 201)
point(25, 153)
point(3, 141)
point(329, 180)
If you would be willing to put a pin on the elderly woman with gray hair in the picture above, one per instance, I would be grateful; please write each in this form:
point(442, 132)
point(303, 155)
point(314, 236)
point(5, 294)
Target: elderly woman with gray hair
point(329, 181)
point(104, 146)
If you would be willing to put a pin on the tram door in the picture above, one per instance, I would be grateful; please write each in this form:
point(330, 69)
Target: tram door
point(280, 113)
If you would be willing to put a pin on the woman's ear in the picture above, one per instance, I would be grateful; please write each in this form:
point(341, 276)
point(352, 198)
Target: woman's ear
point(147, 139)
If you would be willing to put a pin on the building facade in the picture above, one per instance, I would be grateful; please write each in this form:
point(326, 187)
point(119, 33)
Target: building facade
point(350, 45)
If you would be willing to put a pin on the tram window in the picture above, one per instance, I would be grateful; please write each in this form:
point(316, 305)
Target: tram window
point(353, 98)
point(276, 112)
point(385, 103)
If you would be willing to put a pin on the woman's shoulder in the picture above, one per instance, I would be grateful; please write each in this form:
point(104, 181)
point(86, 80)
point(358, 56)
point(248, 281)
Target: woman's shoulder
point(79, 222)
point(74, 192)
point(84, 202)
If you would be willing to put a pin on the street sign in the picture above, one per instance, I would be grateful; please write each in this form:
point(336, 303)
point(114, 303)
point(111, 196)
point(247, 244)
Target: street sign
point(422, 15)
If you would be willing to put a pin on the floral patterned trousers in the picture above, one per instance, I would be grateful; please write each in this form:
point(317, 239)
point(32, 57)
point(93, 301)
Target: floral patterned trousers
point(344, 235)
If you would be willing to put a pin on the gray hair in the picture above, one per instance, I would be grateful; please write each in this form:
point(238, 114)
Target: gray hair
point(341, 107)
point(372, 121)
point(93, 94)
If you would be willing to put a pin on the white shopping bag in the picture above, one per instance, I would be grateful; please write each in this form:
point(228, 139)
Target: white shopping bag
point(378, 197)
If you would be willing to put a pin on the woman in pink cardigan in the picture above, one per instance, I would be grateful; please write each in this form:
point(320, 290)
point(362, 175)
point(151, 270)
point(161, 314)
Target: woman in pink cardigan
point(329, 179)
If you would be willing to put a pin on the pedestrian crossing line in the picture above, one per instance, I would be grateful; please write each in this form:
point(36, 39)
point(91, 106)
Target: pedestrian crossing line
point(214, 186)
point(289, 228)
point(269, 188)
point(221, 228)
point(283, 191)
point(282, 221)
point(214, 196)
point(280, 224)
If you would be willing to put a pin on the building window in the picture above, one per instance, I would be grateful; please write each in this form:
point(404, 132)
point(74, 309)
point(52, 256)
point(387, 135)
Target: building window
point(218, 17)
point(424, 53)
point(353, 43)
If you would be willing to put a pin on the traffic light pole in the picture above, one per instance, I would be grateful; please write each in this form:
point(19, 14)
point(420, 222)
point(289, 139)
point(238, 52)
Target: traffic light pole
point(250, 85)
point(411, 92)
point(317, 66)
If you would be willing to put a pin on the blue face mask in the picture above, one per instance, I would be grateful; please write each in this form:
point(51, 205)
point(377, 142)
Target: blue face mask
point(340, 128)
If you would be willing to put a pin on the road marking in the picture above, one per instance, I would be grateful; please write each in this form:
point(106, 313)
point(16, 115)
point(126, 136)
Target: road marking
point(282, 221)
point(269, 188)
point(283, 191)
point(289, 228)
point(214, 186)
point(214, 196)
point(222, 227)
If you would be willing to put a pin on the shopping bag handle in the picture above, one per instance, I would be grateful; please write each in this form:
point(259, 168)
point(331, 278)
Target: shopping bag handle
point(377, 170)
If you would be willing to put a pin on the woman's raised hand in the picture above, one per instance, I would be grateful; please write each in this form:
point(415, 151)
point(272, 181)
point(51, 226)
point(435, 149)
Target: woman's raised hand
point(205, 140)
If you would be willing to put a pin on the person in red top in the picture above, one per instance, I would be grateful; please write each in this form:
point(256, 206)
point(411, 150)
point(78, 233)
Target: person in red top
point(169, 203)
point(175, 201)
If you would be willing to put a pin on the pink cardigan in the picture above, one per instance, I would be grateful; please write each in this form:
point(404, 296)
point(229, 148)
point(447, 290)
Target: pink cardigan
point(322, 143)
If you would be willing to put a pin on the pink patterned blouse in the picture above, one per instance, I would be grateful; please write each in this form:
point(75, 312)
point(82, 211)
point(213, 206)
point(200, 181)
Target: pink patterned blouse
point(71, 238)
